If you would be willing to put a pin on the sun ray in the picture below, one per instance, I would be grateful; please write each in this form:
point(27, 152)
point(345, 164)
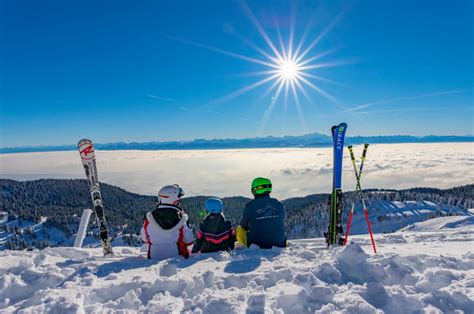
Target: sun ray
point(288, 69)
point(303, 37)
point(330, 64)
point(292, 31)
point(320, 78)
point(254, 46)
point(259, 73)
point(303, 91)
point(280, 39)
point(269, 90)
point(298, 105)
point(317, 39)
point(269, 110)
point(226, 52)
point(243, 90)
point(259, 27)
point(318, 56)
point(322, 92)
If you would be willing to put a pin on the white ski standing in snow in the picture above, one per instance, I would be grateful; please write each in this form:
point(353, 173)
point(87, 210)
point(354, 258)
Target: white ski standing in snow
point(81, 231)
point(86, 150)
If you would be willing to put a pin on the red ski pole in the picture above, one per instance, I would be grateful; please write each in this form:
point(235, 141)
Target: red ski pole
point(359, 190)
point(349, 225)
point(357, 174)
point(366, 212)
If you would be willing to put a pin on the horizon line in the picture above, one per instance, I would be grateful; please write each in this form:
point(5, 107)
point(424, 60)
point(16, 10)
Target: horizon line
point(68, 147)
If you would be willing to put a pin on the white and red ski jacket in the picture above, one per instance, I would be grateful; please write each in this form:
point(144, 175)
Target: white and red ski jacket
point(169, 236)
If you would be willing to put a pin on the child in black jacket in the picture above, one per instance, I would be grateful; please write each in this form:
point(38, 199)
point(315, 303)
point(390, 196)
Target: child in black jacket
point(215, 232)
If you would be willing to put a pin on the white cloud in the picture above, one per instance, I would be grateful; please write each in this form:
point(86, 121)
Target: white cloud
point(294, 172)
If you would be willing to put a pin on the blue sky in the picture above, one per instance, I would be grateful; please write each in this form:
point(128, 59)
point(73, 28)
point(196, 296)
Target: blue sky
point(154, 70)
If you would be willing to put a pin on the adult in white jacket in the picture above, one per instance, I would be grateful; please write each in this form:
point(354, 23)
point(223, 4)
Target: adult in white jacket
point(165, 230)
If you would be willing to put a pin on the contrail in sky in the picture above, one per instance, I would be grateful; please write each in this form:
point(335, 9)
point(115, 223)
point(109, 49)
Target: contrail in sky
point(391, 100)
point(160, 98)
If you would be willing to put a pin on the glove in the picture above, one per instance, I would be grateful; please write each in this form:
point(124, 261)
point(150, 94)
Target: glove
point(241, 235)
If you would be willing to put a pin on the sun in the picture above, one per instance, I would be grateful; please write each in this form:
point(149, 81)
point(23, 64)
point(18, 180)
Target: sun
point(288, 69)
point(287, 66)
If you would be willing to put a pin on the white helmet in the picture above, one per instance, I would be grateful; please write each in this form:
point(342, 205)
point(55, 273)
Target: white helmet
point(170, 194)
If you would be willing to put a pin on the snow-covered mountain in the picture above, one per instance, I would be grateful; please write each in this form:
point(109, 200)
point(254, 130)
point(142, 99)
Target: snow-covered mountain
point(390, 216)
point(306, 140)
point(21, 234)
point(48, 212)
point(414, 271)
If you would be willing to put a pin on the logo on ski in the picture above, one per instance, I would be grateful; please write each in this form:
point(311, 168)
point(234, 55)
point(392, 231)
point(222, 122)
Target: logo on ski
point(87, 151)
point(340, 137)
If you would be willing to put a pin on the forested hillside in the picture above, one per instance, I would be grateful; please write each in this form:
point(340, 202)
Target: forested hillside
point(62, 202)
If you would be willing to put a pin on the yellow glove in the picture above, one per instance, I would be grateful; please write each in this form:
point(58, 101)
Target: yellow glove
point(241, 235)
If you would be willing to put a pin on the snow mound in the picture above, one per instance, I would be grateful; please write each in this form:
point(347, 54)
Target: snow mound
point(411, 272)
point(386, 216)
point(442, 223)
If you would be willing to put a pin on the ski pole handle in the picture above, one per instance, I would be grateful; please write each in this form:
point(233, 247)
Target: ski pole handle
point(352, 152)
point(353, 162)
point(364, 154)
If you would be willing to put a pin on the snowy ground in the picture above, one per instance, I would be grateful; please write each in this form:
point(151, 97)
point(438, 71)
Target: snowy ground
point(431, 269)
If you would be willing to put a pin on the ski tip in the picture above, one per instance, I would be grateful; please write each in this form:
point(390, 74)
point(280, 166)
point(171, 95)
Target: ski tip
point(335, 127)
point(83, 141)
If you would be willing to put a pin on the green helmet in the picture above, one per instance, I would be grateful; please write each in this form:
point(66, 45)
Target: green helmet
point(261, 186)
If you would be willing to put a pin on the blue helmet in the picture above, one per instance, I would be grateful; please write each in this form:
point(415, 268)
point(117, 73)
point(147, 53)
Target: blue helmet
point(214, 206)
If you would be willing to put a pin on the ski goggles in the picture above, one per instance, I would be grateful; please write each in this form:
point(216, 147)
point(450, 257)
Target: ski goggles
point(261, 187)
point(180, 191)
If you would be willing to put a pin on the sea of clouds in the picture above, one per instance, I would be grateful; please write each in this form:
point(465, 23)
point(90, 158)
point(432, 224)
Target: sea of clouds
point(294, 171)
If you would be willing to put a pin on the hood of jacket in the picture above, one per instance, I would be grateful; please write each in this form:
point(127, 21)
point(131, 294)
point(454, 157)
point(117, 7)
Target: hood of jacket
point(166, 216)
point(181, 222)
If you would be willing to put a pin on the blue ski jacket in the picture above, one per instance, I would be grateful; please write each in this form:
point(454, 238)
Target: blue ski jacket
point(264, 220)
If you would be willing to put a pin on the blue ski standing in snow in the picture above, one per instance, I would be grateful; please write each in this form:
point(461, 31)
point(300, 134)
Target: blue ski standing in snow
point(335, 232)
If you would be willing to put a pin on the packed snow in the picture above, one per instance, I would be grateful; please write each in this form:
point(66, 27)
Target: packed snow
point(431, 271)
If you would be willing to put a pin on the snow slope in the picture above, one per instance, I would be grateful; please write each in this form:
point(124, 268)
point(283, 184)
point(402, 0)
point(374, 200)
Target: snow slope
point(25, 229)
point(433, 271)
point(442, 223)
point(389, 217)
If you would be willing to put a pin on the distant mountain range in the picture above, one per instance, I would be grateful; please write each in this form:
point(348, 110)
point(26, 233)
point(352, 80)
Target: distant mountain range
point(308, 140)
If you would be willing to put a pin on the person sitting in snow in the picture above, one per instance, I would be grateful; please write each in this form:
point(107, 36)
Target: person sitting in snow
point(263, 219)
point(215, 233)
point(165, 229)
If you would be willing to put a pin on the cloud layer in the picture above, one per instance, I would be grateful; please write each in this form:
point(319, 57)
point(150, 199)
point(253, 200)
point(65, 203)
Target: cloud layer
point(294, 172)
